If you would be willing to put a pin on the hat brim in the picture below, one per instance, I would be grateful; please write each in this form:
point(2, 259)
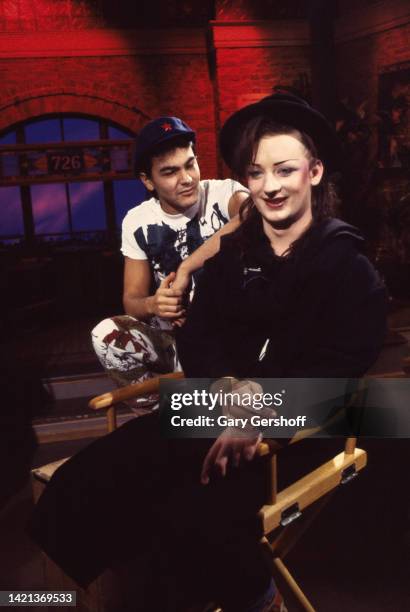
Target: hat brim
point(299, 116)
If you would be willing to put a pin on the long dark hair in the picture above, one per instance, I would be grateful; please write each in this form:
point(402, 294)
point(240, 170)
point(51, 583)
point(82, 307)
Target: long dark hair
point(324, 198)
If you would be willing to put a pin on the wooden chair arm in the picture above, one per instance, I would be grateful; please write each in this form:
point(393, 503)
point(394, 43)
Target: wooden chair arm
point(151, 385)
point(268, 447)
point(109, 400)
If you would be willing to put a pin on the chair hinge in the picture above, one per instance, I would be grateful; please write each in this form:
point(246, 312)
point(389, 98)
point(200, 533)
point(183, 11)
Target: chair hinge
point(290, 514)
point(348, 474)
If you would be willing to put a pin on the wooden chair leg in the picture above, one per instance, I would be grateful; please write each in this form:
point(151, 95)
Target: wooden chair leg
point(287, 585)
point(282, 544)
point(289, 588)
point(350, 445)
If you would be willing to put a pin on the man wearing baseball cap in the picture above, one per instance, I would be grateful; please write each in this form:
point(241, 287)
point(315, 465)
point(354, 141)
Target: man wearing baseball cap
point(157, 236)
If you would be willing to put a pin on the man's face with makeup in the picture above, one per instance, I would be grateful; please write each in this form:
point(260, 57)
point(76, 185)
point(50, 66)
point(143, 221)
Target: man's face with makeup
point(280, 179)
point(175, 178)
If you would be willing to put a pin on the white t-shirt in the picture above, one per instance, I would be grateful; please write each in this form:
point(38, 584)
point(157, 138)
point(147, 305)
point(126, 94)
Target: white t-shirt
point(165, 240)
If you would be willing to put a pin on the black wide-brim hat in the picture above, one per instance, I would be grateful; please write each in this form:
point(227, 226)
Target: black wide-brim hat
point(288, 109)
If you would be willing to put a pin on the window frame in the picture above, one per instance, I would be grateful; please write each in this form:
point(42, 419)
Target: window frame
point(107, 236)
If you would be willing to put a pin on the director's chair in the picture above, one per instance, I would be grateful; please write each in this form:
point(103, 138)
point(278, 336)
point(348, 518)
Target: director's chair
point(302, 500)
point(286, 515)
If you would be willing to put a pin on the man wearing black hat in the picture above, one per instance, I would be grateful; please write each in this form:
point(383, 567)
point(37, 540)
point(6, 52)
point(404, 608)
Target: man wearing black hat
point(157, 236)
point(297, 298)
point(292, 279)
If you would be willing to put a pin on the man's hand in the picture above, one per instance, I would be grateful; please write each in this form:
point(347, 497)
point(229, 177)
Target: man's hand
point(167, 300)
point(229, 450)
point(182, 279)
point(178, 322)
point(182, 282)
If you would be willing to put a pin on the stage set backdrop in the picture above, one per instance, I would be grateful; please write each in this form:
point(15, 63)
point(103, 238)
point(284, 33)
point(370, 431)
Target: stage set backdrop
point(79, 78)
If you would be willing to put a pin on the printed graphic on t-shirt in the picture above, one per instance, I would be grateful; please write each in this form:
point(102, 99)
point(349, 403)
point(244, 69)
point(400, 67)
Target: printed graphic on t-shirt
point(217, 218)
point(166, 247)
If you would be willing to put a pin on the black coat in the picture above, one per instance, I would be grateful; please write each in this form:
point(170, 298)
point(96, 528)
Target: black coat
point(323, 309)
point(324, 315)
point(134, 495)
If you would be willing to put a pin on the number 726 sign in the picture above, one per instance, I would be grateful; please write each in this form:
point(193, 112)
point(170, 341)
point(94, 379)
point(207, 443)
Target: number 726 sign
point(65, 162)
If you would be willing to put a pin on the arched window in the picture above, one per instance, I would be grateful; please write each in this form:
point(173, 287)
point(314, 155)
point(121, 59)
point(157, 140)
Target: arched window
point(64, 178)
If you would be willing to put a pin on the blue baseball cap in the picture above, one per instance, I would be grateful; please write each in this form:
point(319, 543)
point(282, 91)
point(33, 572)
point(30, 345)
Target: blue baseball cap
point(158, 131)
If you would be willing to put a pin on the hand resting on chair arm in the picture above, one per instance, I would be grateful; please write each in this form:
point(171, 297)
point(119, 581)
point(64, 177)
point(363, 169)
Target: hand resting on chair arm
point(238, 442)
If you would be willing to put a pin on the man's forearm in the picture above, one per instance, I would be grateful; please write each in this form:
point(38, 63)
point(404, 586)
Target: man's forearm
point(208, 249)
point(139, 307)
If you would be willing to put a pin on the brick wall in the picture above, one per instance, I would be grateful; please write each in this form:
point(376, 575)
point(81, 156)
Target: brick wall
point(26, 15)
point(127, 90)
point(130, 87)
point(360, 61)
point(245, 75)
point(203, 87)
point(66, 15)
point(226, 10)
point(249, 71)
